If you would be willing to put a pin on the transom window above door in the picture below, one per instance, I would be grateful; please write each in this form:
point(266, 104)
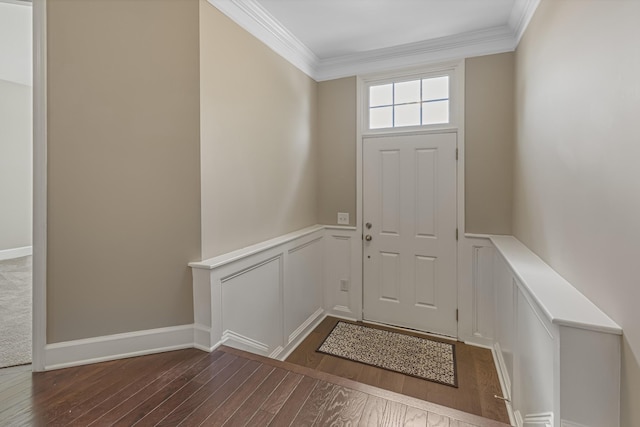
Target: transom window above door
point(420, 102)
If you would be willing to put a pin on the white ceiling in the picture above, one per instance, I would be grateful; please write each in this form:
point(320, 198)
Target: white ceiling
point(15, 42)
point(333, 28)
point(335, 38)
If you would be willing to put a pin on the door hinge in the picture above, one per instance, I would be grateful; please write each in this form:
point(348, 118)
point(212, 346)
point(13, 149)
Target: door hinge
point(456, 234)
point(456, 154)
point(457, 312)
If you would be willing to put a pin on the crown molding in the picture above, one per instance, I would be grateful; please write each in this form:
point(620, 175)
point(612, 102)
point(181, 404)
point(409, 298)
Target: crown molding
point(476, 43)
point(520, 17)
point(262, 25)
point(251, 16)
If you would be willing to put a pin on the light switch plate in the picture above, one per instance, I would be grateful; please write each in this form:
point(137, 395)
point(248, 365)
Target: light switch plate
point(344, 285)
point(343, 218)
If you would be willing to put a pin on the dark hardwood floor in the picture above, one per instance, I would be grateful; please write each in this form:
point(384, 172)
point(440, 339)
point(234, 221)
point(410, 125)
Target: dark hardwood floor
point(477, 377)
point(226, 387)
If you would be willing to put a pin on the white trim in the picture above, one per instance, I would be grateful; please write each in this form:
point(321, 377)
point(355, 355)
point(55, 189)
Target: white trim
point(565, 423)
point(228, 258)
point(18, 2)
point(256, 20)
point(16, 253)
point(39, 184)
point(477, 236)
point(118, 346)
point(229, 337)
point(521, 15)
point(561, 303)
point(476, 43)
point(543, 420)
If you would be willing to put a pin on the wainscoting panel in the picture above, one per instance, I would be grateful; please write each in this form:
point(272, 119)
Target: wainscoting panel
point(557, 354)
point(252, 306)
point(343, 273)
point(303, 285)
point(476, 294)
point(264, 298)
point(533, 380)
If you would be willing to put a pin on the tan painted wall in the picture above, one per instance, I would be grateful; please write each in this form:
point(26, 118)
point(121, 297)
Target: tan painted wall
point(489, 140)
point(124, 171)
point(258, 124)
point(337, 149)
point(15, 165)
point(576, 174)
point(489, 133)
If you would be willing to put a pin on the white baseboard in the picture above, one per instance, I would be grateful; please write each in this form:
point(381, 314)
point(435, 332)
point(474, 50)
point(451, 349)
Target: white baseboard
point(16, 252)
point(119, 346)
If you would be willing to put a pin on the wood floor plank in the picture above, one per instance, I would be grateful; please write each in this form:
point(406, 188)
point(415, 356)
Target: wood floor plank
point(394, 414)
point(67, 402)
point(415, 417)
point(344, 408)
point(437, 420)
point(155, 400)
point(126, 387)
point(457, 423)
point(274, 402)
point(237, 398)
point(380, 392)
point(227, 387)
point(477, 376)
point(292, 405)
point(128, 397)
point(314, 405)
point(220, 395)
point(246, 411)
point(372, 412)
point(184, 400)
point(117, 411)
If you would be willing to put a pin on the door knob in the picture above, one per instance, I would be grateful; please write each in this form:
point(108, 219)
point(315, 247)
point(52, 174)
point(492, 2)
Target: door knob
point(368, 225)
point(368, 237)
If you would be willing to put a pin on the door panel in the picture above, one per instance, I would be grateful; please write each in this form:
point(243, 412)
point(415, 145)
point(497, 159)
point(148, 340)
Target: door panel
point(409, 185)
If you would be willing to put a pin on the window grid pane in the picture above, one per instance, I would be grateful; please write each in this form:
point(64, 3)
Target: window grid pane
point(420, 102)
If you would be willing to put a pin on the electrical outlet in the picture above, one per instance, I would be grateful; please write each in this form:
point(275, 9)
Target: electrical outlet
point(343, 218)
point(344, 285)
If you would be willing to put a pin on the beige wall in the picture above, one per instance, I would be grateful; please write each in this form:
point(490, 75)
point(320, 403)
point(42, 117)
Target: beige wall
point(577, 180)
point(15, 165)
point(489, 133)
point(337, 149)
point(489, 142)
point(124, 171)
point(258, 125)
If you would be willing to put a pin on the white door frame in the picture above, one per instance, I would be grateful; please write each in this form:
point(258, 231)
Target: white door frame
point(39, 337)
point(458, 71)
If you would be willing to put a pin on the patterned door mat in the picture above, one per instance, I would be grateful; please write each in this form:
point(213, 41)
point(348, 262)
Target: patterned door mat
point(419, 357)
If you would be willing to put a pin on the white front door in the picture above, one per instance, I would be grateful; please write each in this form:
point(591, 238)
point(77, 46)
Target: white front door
point(409, 200)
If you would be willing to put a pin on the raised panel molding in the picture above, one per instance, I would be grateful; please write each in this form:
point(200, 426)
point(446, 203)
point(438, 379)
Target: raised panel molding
point(264, 298)
point(343, 262)
point(476, 302)
point(558, 355)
